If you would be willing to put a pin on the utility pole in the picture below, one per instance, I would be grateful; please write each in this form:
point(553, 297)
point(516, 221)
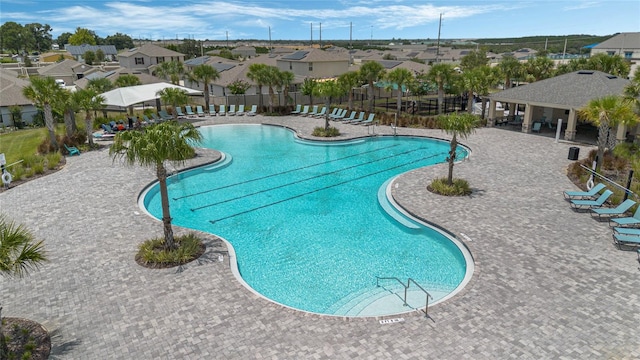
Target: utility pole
point(270, 47)
point(320, 35)
point(438, 43)
point(564, 52)
point(311, 26)
point(227, 39)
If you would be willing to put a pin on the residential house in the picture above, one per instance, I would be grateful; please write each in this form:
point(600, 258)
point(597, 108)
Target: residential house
point(315, 63)
point(244, 51)
point(67, 70)
point(11, 87)
point(626, 45)
point(146, 57)
point(78, 51)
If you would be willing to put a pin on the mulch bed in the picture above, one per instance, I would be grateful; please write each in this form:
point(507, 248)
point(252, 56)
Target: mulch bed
point(201, 250)
point(22, 332)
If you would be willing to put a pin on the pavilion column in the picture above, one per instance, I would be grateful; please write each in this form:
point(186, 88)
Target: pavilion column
point(621, 133)
point(570, 132)
point(528, 118)
point(491, 121)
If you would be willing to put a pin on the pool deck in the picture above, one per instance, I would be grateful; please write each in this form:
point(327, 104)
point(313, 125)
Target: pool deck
point(549, 283)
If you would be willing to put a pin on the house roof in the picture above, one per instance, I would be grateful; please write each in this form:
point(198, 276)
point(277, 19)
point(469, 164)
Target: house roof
point(11, 88)
point(79, 50)
point(572, 90)
point(151, 51)
point(316, 55)
point(115, 74)
point(63, 68)
point(625, 41)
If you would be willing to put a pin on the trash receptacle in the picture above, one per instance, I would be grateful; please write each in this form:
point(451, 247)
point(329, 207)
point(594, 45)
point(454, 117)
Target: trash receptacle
point(573, 153)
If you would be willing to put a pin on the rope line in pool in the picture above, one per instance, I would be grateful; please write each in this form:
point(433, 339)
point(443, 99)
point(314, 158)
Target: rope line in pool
point(306, 179)
point(322, 188)
point(281, 173)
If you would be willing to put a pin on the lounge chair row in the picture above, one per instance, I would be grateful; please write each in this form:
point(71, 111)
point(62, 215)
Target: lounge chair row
point(336, 115)
point(626, 230)
point(222, 111)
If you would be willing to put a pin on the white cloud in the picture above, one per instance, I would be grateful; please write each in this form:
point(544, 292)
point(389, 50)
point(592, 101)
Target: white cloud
point(582, 5)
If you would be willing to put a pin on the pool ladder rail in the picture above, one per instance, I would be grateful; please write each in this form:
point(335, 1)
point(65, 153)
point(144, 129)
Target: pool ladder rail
point(406, 287)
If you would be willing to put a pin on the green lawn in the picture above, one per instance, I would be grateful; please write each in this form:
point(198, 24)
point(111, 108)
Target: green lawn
point(16, 145)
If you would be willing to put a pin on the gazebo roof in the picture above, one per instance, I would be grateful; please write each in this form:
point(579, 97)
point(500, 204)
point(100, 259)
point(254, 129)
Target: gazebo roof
point(572, 90)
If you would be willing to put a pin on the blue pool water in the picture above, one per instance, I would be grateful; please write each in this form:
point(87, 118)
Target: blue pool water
point(305, 221)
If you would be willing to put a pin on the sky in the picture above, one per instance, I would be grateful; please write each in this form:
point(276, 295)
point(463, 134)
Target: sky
point(303, 20)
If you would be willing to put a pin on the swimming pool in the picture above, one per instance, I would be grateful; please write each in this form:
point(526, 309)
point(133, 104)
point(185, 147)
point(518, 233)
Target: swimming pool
point(307, 220)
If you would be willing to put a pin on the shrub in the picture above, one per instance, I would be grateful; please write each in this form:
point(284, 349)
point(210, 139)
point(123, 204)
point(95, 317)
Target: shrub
point(460, 187)
point(153, 254)
point(52, 160)
point(321, 132)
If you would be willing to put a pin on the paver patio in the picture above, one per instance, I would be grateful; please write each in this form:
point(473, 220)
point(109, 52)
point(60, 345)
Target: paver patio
point(548, 284)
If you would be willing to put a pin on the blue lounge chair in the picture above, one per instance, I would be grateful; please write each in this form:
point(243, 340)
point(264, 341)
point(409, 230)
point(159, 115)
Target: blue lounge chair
point(333, 113)
point(164, 115)
point(253, 111)
point(339, 115)
point(179, 112)
point(359, 119)
point(626, 240)
point(72, 150)
point(199, 110)
point(613, 212)
point(590, 204)
point(626, 221)
point(314, 111)
point(536, 127)
point(190, 112)
point(232, 110)
point(321, 113)
point(240, 111)
point(627, 231)
point(584, 194)
point(223, 110)
point(297, 110)
point(155, 118)
point(369, 120)
point(305, 110)
point(212, 110)
point(350, 118)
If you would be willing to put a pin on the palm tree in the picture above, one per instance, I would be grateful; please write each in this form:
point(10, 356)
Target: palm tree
point(328, 89)
point(308, 87)
point(100, 85)
point(608, 112)
point(510, 68)
point(460, 126)
point(400, 77)
point(442, 74)
point(477, 81)
point(66, 106)
point(272, 79)
point(257, 74)
point(204, 74)
point(89, 101)
point(610, 64)
point(632, 91)
point(349, 80)
point(539, 68)
point(126, 80)
point(19, 253)
point(44, 92)
point(173, 96)
point(168, 141)
point(371, 72)
point(286, 79)
point(170, 70)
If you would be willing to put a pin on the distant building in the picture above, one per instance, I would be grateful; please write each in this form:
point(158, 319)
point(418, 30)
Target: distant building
point(11, 87)
point(626, 45)
point(315, 63)
point(78, 51)
point(147, 56)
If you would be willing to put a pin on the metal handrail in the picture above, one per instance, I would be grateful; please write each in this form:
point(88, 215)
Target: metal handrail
point(595, 173)
point(406, 287)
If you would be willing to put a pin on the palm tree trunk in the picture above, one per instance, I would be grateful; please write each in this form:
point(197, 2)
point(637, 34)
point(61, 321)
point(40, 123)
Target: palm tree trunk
point(452, 158)
point(48, 119)
point(603, 132)
point(440, 98)
point(206, 96)
point(260, 104)
point(470, 102)
point(399, 101)
point(169, 242)
point(68, 122)
point(272, 95)
point(350, 99)
point(327, 103)
point(370, 94)
point(88, 123)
